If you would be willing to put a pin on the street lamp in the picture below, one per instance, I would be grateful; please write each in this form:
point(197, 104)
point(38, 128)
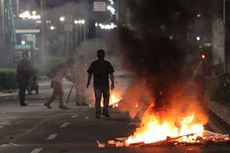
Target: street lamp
point(62, 18)
point(79, 21)
point(23, 42)
point(52, 27)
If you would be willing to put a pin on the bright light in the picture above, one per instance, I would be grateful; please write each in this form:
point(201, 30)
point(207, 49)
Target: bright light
point(111, 2)
point(23, 42)
point(79, 21)
point(96, 24)
point(198, 38)
point(82, 21)
point(28, 15)
point(111, 9)
point(34, 12)
point(62, 18)
point(52, 27)
point(106, 26)
point(198, 15)
point(203, 56)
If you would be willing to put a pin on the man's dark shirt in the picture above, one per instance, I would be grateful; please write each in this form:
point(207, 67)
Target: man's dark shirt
point(24, 70)
point(101, 70)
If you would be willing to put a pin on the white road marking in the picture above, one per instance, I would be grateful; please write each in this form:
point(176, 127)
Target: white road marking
point(64, 125)
point(52, 136)
point(36, 150)
point(74, 116)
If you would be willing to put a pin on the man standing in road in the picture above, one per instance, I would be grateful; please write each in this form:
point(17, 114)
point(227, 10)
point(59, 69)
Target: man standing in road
point(24, 71)
point(102, 71)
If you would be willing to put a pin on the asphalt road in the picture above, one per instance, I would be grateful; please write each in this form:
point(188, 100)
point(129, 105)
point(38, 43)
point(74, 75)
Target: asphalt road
point(35, 129)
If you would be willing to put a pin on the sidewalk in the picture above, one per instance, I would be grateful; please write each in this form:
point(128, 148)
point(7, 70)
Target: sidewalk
point(220, 110)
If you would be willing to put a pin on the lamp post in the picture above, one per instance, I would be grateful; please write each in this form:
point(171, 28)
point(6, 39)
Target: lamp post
point(80, 30)
point(3, 21)
point(43, 31)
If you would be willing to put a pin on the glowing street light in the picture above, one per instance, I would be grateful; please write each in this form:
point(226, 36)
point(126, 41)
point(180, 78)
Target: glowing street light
point(34, 12)
point(23, 42)
point(62, 18)
point(198, 38)
point(52, 27)
point(28, 15)
point(79, 21)
point(106, 26)
point(111, 9)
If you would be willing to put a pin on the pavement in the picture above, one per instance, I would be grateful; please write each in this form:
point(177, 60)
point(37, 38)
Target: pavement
point(36, 129)
point(222, 111)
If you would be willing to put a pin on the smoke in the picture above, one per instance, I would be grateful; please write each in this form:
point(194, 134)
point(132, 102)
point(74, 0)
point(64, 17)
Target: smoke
point(154, 49)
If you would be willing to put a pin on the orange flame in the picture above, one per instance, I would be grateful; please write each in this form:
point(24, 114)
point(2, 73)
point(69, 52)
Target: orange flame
point(152, 129)
point(115, 98)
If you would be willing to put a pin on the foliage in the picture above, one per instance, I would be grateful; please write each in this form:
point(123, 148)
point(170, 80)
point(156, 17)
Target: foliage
point(7, 79)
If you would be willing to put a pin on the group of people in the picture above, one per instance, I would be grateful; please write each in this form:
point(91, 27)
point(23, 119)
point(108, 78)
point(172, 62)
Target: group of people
point(101, 70)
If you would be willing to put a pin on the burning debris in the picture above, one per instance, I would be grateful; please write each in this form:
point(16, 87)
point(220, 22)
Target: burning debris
point(181, 123)
point(206, 138)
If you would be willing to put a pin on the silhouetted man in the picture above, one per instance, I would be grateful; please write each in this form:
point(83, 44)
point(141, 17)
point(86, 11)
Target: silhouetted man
point(24, 71)
point(102, 70)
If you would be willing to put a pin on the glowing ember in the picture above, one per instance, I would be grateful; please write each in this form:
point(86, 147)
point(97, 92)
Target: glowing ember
point(152, 129)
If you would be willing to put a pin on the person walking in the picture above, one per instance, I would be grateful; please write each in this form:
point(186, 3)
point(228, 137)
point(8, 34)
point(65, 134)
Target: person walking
point(102, 71)
point(57, 75)
point(24, 71)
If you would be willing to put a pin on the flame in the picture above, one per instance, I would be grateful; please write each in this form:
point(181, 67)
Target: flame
point(153, 129)
point(115, 98)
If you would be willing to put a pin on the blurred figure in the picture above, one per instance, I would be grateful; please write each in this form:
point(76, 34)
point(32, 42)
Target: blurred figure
point(57, 75)
point(102, 70)
point(24, 72)
point(80, 81)
point(199, 77)
point(33, 84)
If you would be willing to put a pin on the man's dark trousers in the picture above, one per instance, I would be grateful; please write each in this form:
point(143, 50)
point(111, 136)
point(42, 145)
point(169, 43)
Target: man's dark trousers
point(99, 91)
point(22, 85)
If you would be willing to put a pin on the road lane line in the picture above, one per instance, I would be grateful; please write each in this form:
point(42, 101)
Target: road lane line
point(74, 116)
point(64, 125)
point(36, 150)
point(52, 136)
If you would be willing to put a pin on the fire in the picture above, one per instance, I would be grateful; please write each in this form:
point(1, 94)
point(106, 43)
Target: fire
point(115, 98)
point(152, 129)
